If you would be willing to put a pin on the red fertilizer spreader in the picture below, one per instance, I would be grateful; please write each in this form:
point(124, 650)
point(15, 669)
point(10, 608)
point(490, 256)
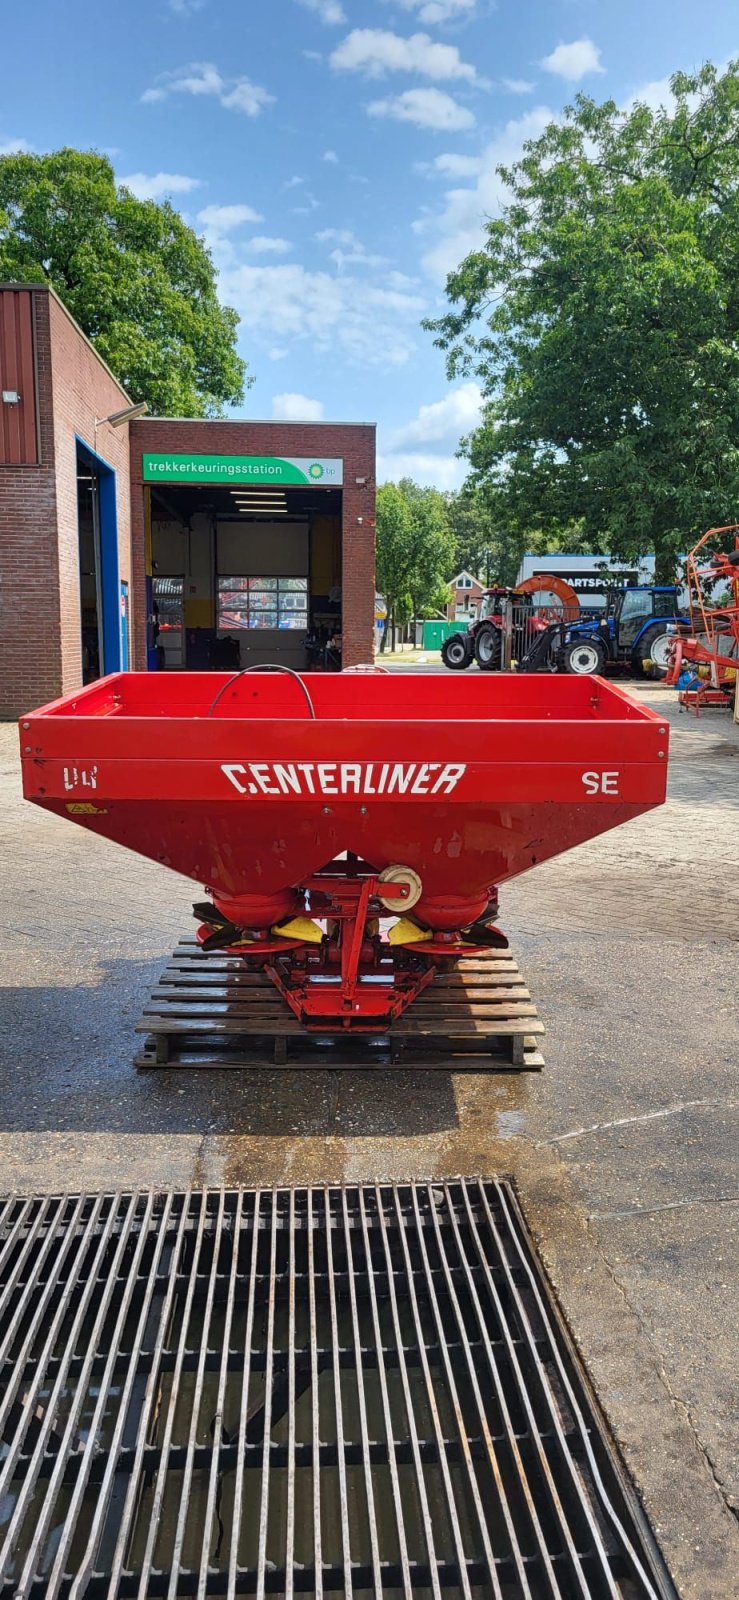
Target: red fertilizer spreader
point(352, 829)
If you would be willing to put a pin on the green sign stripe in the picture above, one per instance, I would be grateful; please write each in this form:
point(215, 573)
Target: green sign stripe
point(230, 470)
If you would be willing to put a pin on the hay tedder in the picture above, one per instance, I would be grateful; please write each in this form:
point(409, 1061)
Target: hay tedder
point(352, 830)
point(704, 654)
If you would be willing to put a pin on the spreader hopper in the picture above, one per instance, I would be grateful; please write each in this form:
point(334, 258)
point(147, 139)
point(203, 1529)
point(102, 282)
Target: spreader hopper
point(351, 830)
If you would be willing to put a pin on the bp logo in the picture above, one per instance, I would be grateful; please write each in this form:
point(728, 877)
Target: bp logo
point(315, 470)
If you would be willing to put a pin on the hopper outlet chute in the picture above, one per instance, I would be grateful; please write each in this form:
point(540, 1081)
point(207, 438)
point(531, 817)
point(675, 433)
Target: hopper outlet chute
point(337, 801)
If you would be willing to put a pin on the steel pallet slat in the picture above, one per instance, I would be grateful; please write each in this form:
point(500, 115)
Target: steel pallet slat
point(243, 1409)
point(339, 1415)
point(462, 1430)
point(315, 1416)
point(387, 1416)
point(324, 1392)
point(114, 1450)
point(362, 1401)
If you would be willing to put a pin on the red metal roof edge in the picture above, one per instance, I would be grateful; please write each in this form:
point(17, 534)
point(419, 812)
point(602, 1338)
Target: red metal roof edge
point(48, 288)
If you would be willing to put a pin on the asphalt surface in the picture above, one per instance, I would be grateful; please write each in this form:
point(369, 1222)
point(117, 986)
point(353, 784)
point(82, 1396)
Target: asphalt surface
point(623, 1151)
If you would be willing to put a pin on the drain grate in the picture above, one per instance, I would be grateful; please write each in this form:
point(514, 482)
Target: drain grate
point(341, 1392)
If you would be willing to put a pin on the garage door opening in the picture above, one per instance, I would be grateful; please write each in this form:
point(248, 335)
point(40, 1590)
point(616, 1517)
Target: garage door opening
point(100, 596)
point(245, 576)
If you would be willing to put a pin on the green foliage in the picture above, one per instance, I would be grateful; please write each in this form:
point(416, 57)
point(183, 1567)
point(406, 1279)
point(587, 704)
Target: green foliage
point(393, 533)
point(601, 318)
point(139, 282)
point(483, 544)
point(415, 550)
point(431, 554)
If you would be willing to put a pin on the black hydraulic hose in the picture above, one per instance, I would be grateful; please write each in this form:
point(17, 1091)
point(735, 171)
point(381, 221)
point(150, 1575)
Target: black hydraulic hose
point(268, 666)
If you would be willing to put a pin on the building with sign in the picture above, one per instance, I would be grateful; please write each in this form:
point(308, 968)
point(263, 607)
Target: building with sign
point(591, 576)
point(163, 544)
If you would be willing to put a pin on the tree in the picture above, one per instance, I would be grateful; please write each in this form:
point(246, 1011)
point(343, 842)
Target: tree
point(431, 555)
point(415, 550)
point(469, 524)
point(484, 543)
point(393, 536)
point(139, 282)
point(601, 318)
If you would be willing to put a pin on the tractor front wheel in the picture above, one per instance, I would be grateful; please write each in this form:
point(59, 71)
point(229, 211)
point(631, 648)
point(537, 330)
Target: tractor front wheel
point(653, 648)
point(488, 649)
point(456, 652)
point(582, 656)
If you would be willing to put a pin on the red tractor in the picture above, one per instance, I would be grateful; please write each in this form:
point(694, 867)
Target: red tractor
point(483, 640)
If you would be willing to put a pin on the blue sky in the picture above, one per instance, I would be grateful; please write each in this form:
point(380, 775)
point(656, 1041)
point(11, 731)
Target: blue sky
point(340, 157)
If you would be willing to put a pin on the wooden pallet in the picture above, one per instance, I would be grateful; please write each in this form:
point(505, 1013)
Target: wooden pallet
point(209, 1010)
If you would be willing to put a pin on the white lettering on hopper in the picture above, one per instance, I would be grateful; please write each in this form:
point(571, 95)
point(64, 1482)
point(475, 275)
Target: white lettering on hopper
point(346, 778)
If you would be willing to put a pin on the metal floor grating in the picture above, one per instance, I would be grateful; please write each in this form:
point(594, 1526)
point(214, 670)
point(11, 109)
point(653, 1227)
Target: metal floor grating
point(341, 1392)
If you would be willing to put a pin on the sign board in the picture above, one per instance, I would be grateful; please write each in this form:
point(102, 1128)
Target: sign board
point(322, 472)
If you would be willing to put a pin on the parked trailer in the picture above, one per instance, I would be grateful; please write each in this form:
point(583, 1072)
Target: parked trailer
point(315, 807)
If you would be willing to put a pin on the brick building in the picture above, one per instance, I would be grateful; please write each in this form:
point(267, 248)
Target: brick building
point(163, 544)
point(465, 594)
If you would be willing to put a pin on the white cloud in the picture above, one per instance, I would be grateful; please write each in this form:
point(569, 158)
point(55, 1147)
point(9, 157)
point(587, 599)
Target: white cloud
point(400, 280)
point(375, 52)
point(329, 11)
point(15, 147)
point(440, 10)
point(349, 250)
point(293, 183)
point(202, 78)
point(437, 472)
point(261, 245)
point(445, 419)
point(152, 186)
point(367, 321)
point(426, 108)
point(247, 97)
point(658, 93)
point(223, 219)
point(459, 226)
point(454, 166)
point(574, 61)
point(185, 8)
point(517, 85)
point(296, 408)
point(331, 157)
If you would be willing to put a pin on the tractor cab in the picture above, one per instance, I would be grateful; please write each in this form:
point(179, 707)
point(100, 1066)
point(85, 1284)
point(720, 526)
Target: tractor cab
point(636, 606)
point(635, 631)
point(491, 604)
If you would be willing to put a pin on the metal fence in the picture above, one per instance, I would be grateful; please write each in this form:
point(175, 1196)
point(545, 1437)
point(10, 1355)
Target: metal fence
point(522, 625)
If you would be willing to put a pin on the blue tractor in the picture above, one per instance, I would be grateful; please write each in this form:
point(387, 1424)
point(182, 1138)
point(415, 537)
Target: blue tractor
point(634, 632)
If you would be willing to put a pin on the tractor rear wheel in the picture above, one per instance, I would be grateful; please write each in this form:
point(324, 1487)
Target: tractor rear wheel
point(456, 652)
point(654, 648)
point(488, 649)
point(582, 656)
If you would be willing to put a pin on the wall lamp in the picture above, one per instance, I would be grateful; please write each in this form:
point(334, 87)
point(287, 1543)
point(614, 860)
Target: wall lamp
point(117, 418)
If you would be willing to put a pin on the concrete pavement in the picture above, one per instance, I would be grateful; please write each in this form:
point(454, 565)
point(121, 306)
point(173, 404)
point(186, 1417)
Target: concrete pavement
point(623, 1151)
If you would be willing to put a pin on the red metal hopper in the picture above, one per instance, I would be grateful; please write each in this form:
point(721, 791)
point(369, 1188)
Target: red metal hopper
point(311, 807)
